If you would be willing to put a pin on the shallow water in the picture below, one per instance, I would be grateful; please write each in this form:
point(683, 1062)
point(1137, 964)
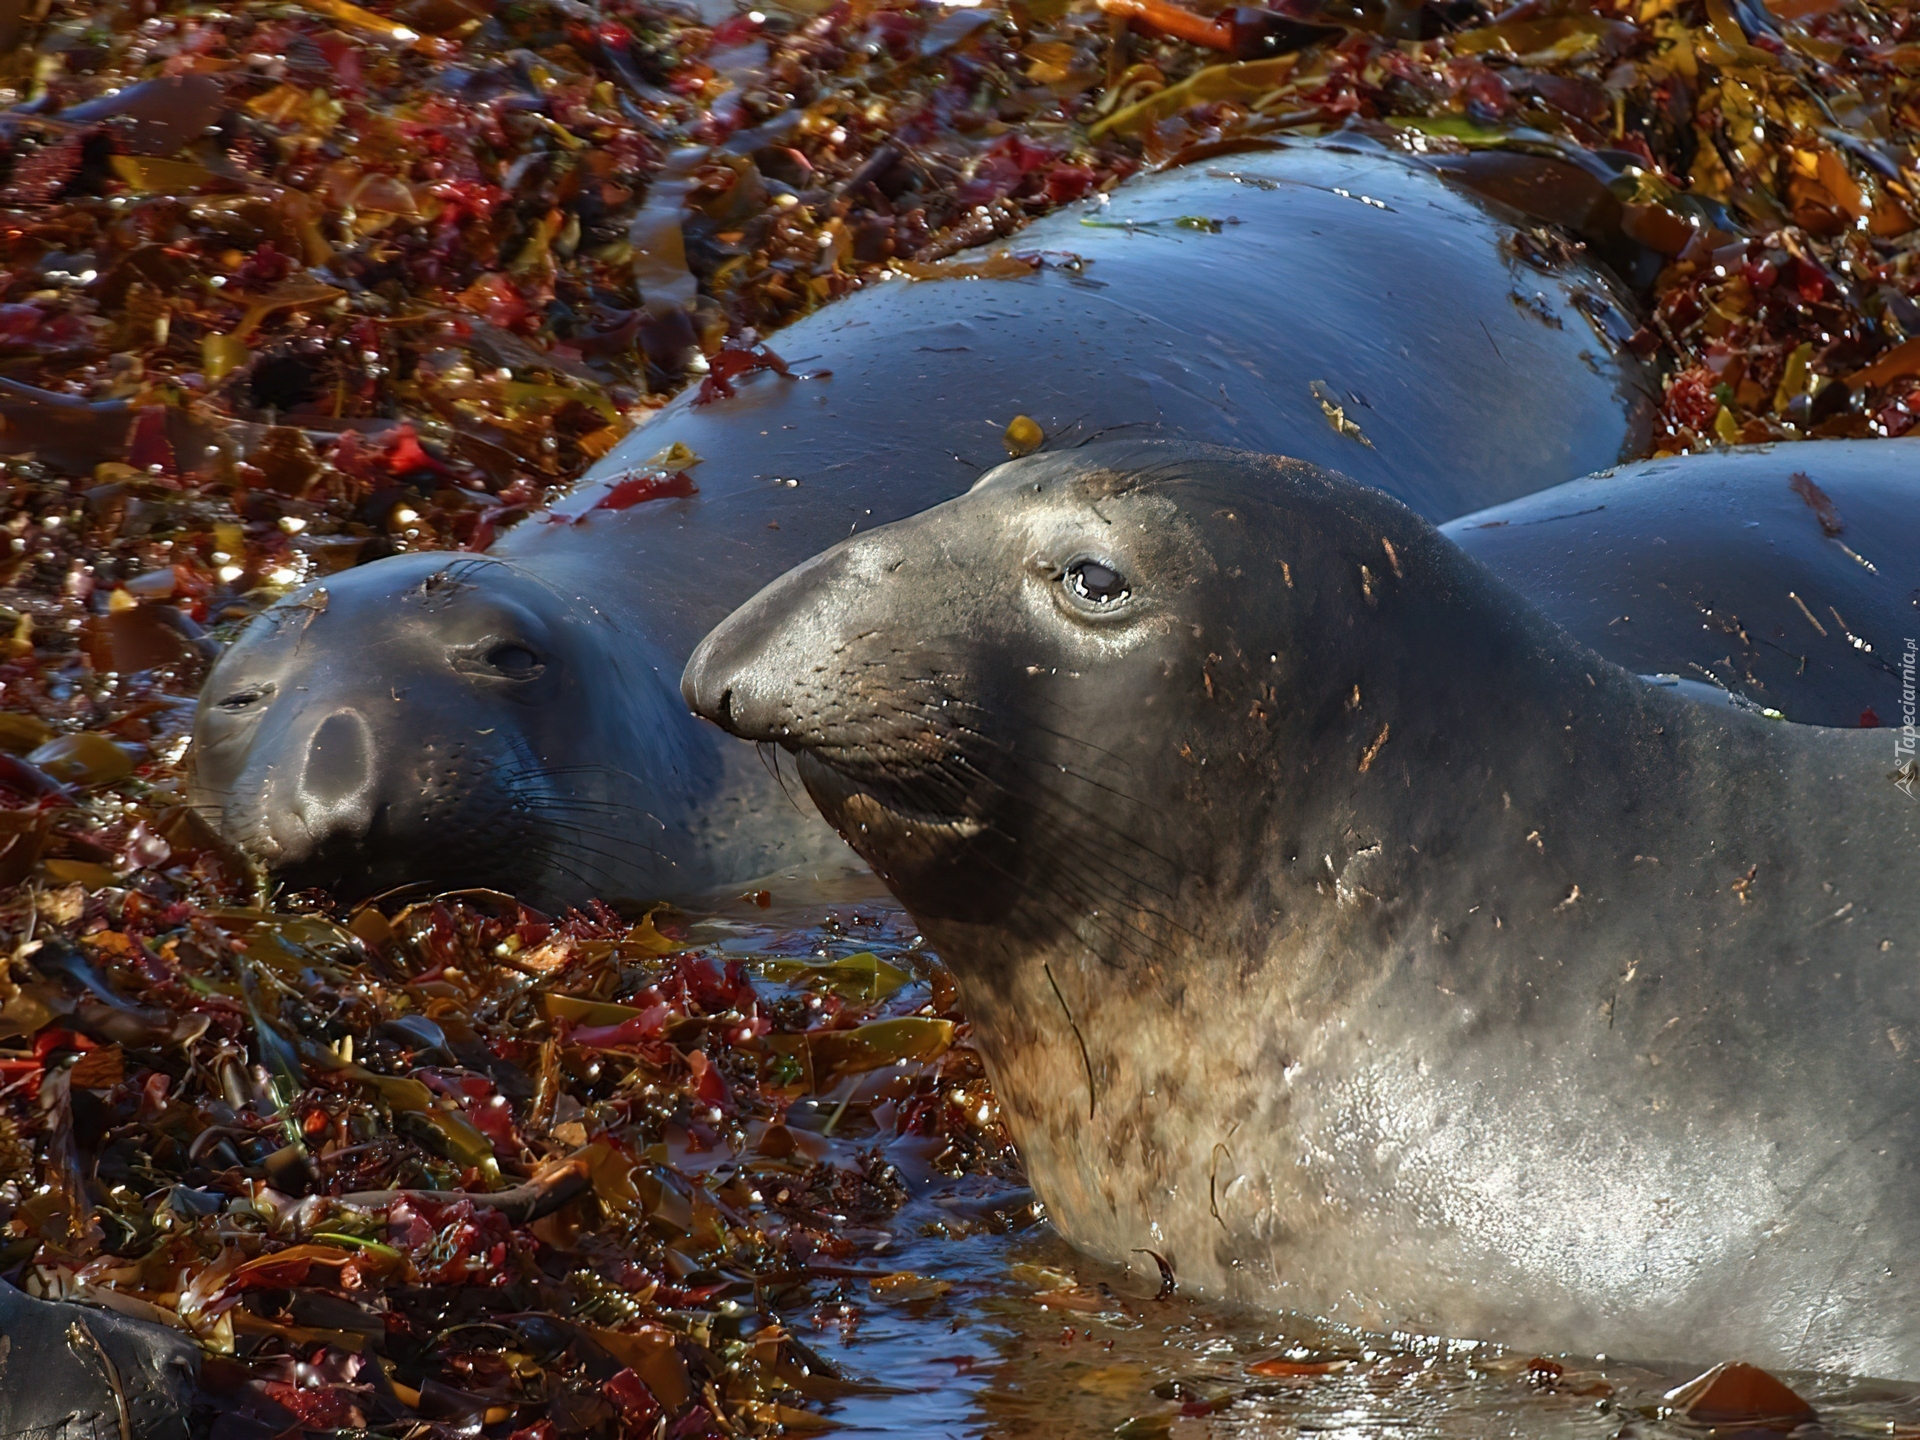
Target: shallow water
point(1026, 1338)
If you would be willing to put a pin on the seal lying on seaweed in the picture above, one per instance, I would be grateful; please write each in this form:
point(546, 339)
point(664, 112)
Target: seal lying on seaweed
point(448, 722)
point(1786, 574)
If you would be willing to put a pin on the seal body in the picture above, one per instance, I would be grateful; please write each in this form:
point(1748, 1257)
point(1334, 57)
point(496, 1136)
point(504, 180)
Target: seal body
point(1785, 574)
point(1346, 306)
point(82, 1373)
point(1339, 930)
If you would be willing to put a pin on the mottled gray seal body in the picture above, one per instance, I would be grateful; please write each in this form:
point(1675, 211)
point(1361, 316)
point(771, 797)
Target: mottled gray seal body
point(1350, 308)
point(1338, 929)
point(1787, 574)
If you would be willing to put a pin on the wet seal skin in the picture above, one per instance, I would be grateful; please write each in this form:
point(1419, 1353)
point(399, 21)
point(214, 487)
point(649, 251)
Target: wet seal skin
point(448, 720)
point(80, 1373)
point(1343, 305)
point(1785, 574)
point(1337, 928)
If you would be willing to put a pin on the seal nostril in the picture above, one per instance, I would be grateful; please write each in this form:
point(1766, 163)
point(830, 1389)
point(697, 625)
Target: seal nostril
point(726, 708)
point(337, 759)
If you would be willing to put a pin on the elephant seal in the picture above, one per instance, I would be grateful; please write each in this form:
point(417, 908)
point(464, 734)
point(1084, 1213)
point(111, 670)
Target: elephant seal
point(1338, 929)
point(1344, 305)
point(1787, 574)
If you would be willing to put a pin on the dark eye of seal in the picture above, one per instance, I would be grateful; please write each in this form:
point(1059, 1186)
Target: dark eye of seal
point(516, 662)
point(1097, 583)
point(245, 699)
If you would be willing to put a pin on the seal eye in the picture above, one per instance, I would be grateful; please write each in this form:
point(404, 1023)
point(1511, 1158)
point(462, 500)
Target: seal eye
point(516, 662)
point(245, 699)
point(1097, 583)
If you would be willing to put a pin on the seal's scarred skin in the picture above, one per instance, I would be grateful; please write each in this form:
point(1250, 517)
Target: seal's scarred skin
point(1337, 928)
point(1786, 574)
point(1349, 307)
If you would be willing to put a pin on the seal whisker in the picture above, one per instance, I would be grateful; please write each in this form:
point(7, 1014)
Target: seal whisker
point(613, 857)
point(615, 836)
point(770, 760)
point(576, 822)
point(1122, 938)
point(1040, 779)
point(586, 803)
point(1092, 898)
point(609, 857)
point(1086, 1060)
point(1039, 776)
point(558, 848)
point(1048, 730)
point(937, 715)
point(562, 867)
point(543, 772)
point(1100, 892)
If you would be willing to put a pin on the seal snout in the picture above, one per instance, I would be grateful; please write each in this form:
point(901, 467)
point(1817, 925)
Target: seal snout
point(707, 684)
point(710, 681)
point(738, 686)
point(337, 759)
point(744, 675)
point(333, 797)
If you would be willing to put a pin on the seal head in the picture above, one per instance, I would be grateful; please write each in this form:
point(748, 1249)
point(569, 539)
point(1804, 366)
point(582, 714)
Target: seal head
point(476, 707)
point(1340, 931)
point(1014, 752)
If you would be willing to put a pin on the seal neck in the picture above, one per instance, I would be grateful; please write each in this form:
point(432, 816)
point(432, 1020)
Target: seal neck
point(1476, 742)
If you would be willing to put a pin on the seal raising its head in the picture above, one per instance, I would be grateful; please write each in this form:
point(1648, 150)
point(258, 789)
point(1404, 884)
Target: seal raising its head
point(1341, 931)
